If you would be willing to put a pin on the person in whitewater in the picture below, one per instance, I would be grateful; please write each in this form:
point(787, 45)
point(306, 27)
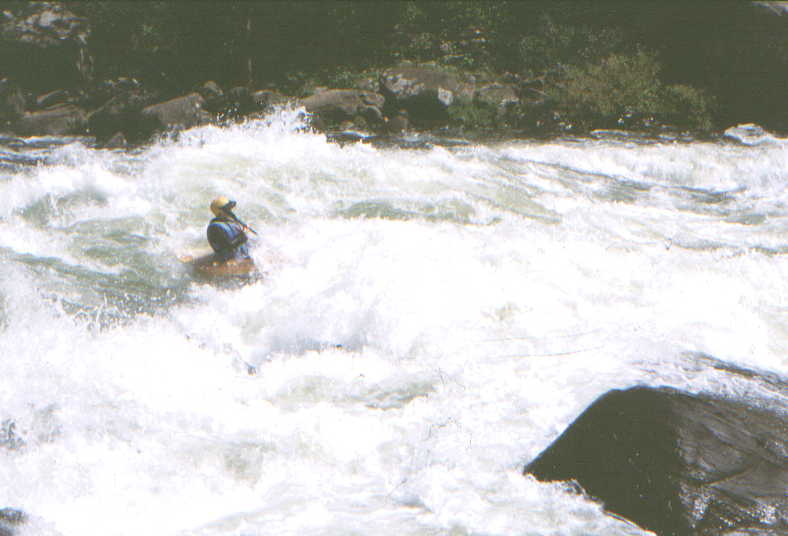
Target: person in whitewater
point(229, 242)
point(226, 233)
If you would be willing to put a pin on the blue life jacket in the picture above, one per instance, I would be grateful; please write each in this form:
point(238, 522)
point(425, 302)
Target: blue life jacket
point(228, 240)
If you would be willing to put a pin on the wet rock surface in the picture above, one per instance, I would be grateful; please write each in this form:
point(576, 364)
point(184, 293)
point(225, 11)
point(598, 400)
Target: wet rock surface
point(677, 464)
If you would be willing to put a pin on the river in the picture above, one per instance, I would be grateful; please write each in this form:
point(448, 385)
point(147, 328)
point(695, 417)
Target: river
point(431, 315)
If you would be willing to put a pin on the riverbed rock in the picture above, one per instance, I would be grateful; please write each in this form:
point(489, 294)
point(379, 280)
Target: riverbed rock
point(502, 96)
point(333, 106)
point(116, 141)
point(265, 99)
point(425, 91)
point(60, 120)
point(210, 91)
point(181, 112)
point(240, 103)
point(678, 464)
point(43, 46)
point(122, 113)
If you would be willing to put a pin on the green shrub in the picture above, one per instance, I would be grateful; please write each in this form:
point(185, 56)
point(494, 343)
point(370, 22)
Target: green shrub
point(688, 107)
point(473, 115)
point(555, 46)
point(620, 89)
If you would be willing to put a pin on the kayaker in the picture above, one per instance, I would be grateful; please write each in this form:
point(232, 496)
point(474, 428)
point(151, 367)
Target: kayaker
point(226, 233)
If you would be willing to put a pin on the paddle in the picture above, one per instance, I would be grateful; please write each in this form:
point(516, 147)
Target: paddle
point(238, 220)
point(228, 209)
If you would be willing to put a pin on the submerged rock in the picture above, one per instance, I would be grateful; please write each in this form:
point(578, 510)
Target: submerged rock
point(10, 520)
point(677, 464)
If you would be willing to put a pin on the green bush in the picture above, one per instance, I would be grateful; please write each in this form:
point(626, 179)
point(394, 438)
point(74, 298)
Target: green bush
point(688, 107)
point(473, 115)
point(554, 46)
point(619, 89)
point(625, 90)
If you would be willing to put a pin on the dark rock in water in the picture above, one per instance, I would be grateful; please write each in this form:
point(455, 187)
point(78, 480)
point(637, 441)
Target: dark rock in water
point(123, 113)
point(10, 519)
point(62, 120)
point(122, 87)
point(677, 464)
point(397, 124)
point(211, 91)
point(336, 105)
point(240, 101)
point(265, 99)
point(181, 112)
point(426, 92)
point(117, 141)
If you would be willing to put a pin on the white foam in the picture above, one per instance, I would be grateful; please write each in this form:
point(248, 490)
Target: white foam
point(411, 356)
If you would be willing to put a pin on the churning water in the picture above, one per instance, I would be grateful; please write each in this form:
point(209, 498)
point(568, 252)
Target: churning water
point(430, 318)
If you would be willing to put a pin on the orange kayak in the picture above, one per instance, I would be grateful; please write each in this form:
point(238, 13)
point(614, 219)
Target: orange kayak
point(208, 266)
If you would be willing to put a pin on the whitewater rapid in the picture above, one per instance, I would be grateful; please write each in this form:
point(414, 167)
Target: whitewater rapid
point(432, 314)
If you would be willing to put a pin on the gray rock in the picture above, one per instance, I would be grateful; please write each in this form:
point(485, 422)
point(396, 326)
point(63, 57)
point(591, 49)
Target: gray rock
point(122, 113)
point(181, 112)
point(426, 92)
point(499, 95)
point(215, 99)
point(210, 90)
point(61, 120)
point(677, 464)
point(264, 99)
point(338, 105)
point(117, 141)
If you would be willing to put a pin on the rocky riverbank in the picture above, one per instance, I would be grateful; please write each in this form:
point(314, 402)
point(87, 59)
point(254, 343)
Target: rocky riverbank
point(50, 85)
point(125, 111)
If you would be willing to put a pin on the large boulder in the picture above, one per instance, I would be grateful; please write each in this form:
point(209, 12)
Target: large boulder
point(240, 103)
point(677, 464)
point(61, 120)
point(123, 114)
point(181, 112)
point(43, 46)
point(426, 92)
point(501, 96)
point(266, 99)
point(213, 95)
point(333, 106)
